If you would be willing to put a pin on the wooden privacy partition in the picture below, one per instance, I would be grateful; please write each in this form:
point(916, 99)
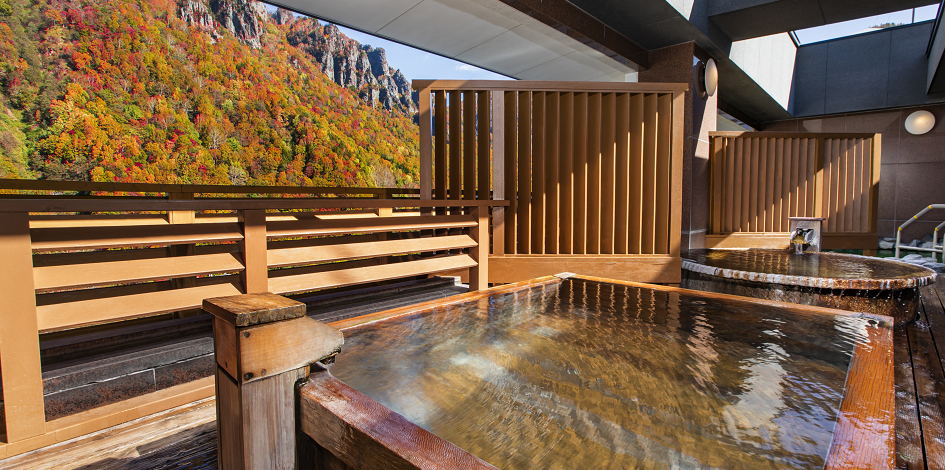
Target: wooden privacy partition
point(69, 276)
point(592, 171)
point(759, 179)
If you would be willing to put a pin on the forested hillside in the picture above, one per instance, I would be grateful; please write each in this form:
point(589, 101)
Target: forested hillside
point(187, 91)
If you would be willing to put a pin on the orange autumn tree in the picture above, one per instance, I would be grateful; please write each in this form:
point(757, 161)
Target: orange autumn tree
point(126, 91)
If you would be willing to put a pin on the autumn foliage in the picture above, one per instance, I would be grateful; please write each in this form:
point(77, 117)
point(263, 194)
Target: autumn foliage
point(125, 91)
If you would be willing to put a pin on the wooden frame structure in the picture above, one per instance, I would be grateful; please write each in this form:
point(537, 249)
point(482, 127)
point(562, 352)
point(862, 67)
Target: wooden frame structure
point(593, 172)
point(759, 179)
point(111, 259)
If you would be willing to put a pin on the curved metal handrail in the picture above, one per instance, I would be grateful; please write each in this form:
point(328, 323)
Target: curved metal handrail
point(935, 247)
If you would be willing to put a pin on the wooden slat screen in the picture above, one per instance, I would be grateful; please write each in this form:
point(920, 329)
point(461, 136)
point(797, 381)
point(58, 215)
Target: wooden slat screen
point(759, 179)
point(72, 277)
point(586, 171)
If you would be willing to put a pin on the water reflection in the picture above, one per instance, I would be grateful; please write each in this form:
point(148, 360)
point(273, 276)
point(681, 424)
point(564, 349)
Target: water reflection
point(589, 375)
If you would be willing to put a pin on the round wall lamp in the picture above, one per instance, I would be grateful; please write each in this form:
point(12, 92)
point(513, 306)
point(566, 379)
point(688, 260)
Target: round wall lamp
point(710, 77)
point(920, 122)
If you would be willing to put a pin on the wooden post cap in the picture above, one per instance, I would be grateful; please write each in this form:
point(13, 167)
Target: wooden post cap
point(253, 309)
point(261, 335)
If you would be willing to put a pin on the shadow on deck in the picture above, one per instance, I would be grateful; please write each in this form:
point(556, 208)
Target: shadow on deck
point(185, 437)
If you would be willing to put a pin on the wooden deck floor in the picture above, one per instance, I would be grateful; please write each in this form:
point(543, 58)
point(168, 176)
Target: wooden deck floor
point(185, 437)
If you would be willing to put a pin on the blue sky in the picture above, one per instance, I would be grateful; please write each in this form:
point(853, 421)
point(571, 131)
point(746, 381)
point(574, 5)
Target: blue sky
point(847, 28)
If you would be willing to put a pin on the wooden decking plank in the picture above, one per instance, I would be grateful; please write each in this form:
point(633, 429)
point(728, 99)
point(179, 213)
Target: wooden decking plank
point(933, 298)
point(909, 453)
point(930, 388)
point(147, 442)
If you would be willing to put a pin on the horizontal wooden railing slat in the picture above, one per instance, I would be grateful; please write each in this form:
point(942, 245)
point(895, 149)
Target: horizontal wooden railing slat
point(119, 272)
point(50, 185)
point(306, 228)
point(347, 277)
point(85, 238)
point(316, 254)
point(57, 317)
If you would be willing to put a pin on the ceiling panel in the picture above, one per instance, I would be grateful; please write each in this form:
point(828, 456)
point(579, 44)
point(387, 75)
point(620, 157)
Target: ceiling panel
point(448, 27)
point(365, 15)
point(515, 50)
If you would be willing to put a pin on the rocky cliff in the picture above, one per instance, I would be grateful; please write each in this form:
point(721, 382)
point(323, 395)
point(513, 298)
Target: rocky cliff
point(344, 60)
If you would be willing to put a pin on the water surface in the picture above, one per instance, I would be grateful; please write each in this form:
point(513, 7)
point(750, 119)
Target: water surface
point(820, 265)
point(589, 375)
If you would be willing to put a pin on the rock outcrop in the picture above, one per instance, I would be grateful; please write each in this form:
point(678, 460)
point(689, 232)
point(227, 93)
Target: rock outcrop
point(353, 65)
point(242, 18)
point(345, 61)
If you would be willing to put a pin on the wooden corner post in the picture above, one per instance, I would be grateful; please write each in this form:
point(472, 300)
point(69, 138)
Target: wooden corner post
point(19, 335)
point(479, 274)
point(264, 345)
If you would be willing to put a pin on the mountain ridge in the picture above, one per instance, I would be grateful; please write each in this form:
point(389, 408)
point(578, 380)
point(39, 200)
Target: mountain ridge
point(343, 60)
point(187, 91)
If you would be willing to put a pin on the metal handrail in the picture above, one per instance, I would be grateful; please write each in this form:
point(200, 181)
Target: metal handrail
point(935, 247)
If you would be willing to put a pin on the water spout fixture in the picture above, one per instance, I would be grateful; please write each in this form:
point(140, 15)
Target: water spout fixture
point(802, 236)
point(805, 234)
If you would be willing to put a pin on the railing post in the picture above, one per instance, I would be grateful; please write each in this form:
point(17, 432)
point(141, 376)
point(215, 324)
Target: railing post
point(180, 217)
point(19, 335)
point(264, 344)
point(253, 247)
point(385, 211)
point(175, 218)
point(479, 275)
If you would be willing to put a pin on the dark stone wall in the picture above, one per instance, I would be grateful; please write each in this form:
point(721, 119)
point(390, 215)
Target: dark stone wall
point(883, 69)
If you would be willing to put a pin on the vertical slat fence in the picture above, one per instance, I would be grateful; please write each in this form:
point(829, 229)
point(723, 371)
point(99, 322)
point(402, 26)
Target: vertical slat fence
point(760, 179)
point(588, 168)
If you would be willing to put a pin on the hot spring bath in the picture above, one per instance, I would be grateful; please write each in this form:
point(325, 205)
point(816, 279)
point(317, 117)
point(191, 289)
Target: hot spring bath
point(580, 373)
point(833, 280)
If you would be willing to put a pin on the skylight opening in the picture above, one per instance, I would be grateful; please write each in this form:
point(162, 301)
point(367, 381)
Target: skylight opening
point(865, 25)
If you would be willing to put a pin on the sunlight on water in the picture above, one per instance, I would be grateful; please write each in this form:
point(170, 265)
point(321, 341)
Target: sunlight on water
point(589, 375)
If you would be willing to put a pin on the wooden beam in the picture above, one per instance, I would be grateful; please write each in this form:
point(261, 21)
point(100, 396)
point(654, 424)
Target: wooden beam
point(499, 169)
point(255, 276)
point(311, 228)
point(117, 272)
point(86, 238)
point(222, 204)
point(864, 437)
point(19, 339)
point(426, 147)
point(346, 277)
point(551, 86)
point(479, 275)
point(639, 268)
point(319, 254)
point(365, 435)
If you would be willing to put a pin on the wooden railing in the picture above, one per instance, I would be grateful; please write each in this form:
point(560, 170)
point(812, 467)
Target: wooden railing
point(759, 179)
point(100, 270)
point(593, 172)
point(37, 188)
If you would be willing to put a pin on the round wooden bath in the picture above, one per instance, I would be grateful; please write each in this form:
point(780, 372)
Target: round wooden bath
point(846, 282)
